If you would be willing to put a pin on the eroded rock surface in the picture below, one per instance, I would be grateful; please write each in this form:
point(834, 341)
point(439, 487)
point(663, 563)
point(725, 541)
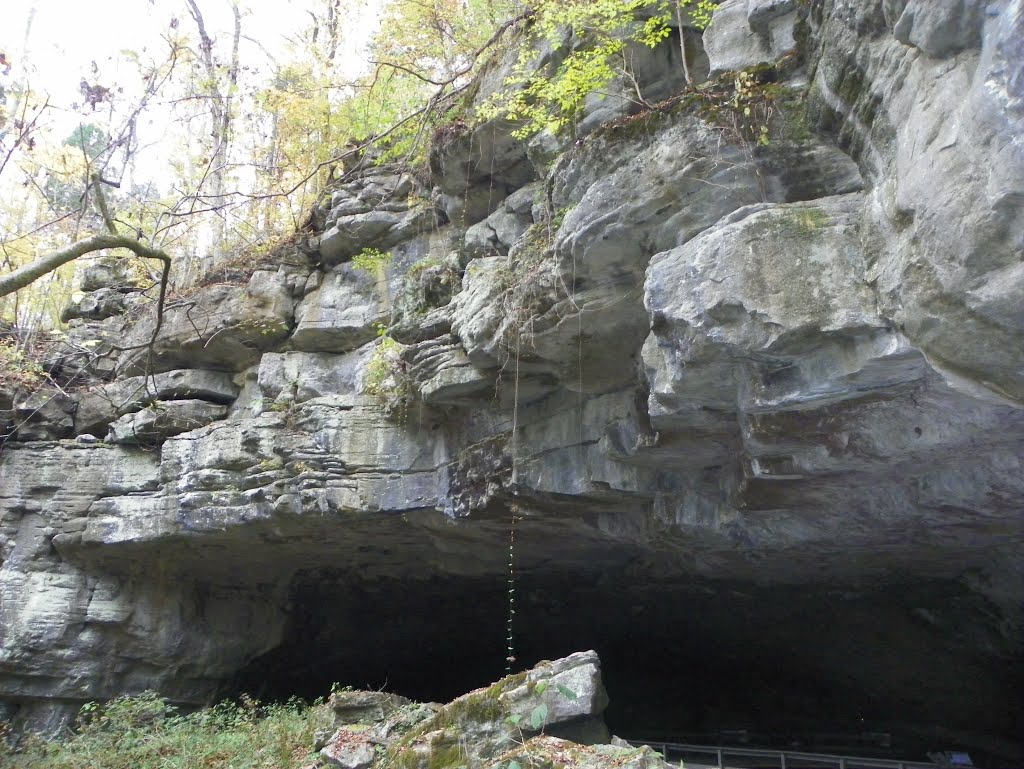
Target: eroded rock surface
point(517, 719)
point(777, 388)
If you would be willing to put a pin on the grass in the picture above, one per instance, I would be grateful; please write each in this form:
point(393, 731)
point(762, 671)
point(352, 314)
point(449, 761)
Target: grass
point(145, 732)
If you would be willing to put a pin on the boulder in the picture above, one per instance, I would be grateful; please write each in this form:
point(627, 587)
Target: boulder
point(544, 750)
point(100, 405)
point(349, 748)
point(224, 326)
point(97, 305)
point(745, 33)
point(556, 693)
point(378, 228)
point(486, 726)
point(46, 414)
point(108, 272)
point(358, 707)
point(162, 419)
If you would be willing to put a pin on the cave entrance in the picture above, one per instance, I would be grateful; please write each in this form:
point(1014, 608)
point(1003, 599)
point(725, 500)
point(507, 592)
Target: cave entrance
point(859, 670)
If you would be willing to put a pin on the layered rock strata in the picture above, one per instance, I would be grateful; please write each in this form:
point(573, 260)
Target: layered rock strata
point(668, 351)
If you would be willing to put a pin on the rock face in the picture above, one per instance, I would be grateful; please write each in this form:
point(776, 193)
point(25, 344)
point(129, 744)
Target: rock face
point(745, 391)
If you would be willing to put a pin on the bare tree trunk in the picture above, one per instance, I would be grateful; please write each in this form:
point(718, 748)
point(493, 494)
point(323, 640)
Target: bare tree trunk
point(221, 95)
point(333, 14)
point(682, 42)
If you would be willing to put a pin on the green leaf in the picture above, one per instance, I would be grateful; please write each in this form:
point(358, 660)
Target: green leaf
point(541, 687)
point(566, 692)
point(538, 716)
point(514, 765)
point(514, 719)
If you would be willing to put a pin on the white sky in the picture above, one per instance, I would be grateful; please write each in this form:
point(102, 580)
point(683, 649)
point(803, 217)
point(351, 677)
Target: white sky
point(66, 36)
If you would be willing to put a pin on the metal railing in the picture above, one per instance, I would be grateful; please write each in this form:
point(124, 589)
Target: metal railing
point(746, 758)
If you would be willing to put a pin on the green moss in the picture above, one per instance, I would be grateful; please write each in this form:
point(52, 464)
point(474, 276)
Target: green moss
point(802, 221)
point(791, 222)
point(794, 123)
point(445, 756)
point(476, 706)
point(424, 264)
point(427, 284)
point(383, 371)
point(480, 706)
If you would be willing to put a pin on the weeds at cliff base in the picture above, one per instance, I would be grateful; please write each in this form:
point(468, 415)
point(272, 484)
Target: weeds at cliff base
point(147, 732)
point(19, 369)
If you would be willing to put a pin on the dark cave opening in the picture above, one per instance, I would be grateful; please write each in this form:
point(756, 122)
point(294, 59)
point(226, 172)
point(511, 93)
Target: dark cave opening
point(892, 669)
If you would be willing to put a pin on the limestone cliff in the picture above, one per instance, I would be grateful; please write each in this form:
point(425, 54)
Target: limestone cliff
point(763, 397)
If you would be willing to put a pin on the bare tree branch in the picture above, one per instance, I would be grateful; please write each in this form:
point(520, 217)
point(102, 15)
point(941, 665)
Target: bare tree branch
point(49, 262)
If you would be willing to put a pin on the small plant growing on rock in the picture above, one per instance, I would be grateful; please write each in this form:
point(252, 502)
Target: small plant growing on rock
point(18, 370)
point(539, 99)
point(271, 464)
point(386, 376)
point(371, 260)
point(747, 104)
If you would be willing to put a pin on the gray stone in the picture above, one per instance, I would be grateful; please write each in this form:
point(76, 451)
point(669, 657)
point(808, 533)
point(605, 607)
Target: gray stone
point(101, 405)
point(296, 377)
point(749, 385)
point(421, 308)
point(761, 279)
point(162, 419)
point(489, 723)
point(499, 231)
point(570, 688)
point(945, 239)
point(476, 168)
point(107, 272)
point(223, 326)
point(45, 414)
point(343, 312)
point(941, 27)
point(97, 305)
point(357, 707)
point(377, 228)
point(571, 755)
point(478, 311)
point(744, 33)
point(444, 374)
point(353, 233)
point(86, 351)
point(679, 185)
point(349, 749)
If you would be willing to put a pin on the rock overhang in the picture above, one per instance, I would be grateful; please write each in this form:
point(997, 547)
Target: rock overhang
point(758, 372)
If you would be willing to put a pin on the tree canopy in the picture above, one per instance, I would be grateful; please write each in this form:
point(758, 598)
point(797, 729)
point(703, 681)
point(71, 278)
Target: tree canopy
point(208, 138)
